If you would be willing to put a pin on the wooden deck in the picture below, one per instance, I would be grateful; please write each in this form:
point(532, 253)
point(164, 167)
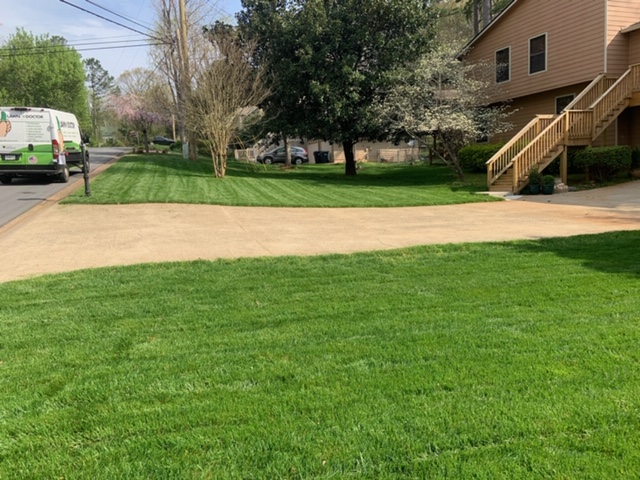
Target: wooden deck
point(548, 136)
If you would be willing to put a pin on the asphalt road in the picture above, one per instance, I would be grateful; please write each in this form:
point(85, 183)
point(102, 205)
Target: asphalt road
point(23, 194)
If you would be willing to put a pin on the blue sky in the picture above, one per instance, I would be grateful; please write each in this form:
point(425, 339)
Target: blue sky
point(56, 18)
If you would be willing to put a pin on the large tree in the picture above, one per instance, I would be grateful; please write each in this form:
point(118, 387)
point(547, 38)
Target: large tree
point(99, 84)
point(42, 71)
point(328, 60)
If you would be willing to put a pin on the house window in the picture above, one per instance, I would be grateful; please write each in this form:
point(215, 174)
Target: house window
point(538, 54)
point(563, 101)
point(503, 70)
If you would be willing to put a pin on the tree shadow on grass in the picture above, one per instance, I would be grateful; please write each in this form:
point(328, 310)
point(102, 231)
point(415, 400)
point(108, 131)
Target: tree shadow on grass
point(370, 175)
point(614, 252)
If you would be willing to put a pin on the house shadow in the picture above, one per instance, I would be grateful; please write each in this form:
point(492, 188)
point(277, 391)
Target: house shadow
point(613, 252)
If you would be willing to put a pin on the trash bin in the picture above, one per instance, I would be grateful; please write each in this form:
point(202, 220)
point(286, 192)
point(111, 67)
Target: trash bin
point(321, 156)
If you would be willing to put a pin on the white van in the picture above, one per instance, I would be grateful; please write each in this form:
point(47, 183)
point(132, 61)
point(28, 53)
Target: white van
point(39, 141)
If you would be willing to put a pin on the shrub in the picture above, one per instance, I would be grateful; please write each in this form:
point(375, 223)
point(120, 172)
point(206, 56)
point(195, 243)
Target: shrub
point(535, 177)
point(603, 163)
point(473, 158)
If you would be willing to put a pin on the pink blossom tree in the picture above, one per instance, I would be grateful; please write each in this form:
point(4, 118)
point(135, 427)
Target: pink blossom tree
point(133, 104)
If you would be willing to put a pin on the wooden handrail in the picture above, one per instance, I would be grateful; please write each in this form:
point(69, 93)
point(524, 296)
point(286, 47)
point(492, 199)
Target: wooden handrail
point(579, 123)
point(544, 143)
point(503, 158)
point(591, 93)
point(615, 97)
point(580, 120)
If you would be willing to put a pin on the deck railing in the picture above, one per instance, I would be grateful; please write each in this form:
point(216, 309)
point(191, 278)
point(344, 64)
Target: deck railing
point(547, 141)
point(591, 93)
point(501, 161)
point(580, 120)
point(580, 123)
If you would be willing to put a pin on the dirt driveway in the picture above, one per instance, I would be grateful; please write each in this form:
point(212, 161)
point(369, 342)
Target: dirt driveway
point(56, 238)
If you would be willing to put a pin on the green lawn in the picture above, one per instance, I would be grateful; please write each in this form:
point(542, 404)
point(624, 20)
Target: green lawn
point(162, 178)
point(502, 360)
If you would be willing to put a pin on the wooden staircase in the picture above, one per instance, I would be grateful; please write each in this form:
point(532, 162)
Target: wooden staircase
point(548, 136)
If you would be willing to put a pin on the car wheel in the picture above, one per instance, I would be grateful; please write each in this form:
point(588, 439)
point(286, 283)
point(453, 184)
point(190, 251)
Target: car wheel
point(298, 161)
point(5, 179)
point(63, 177)
point(268, 160)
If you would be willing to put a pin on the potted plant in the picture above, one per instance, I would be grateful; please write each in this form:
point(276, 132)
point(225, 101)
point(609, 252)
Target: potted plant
point(548, 183)
point(535, 180)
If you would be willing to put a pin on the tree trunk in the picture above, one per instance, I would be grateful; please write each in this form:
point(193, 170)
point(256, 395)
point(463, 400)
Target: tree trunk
point(287, 152)
point(476, 17)
point(486, 12)
point(193, 147)
point(350, 159)
point(453, 162)
point(145, 136)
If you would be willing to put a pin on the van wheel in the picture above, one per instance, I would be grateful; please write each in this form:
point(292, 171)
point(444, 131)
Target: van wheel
point(64, 175)
point(5, 180)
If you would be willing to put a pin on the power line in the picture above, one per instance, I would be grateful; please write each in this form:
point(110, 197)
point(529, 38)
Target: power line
point(98, 43)
point(61, 48)
point(109, 20)
point(118, 15)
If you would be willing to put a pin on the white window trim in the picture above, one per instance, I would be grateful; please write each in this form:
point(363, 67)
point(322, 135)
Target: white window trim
point(546, 53)
point(508, 47)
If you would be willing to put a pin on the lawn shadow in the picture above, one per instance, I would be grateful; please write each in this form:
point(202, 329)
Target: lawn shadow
point(369, 175)
point(613, 252)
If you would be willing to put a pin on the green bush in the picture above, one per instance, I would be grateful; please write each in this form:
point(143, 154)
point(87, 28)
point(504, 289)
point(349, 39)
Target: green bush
point(535, 177)
point(603, 163)
point(473, 158)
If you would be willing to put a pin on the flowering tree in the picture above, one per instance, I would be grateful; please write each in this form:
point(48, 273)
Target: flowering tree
point(133, 102)
point(444, 97)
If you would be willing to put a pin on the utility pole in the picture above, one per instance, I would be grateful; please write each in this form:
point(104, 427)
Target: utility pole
point(186, 80)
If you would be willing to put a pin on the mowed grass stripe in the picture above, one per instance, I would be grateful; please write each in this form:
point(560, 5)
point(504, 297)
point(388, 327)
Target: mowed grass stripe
point(167, 178)
point(502, 360)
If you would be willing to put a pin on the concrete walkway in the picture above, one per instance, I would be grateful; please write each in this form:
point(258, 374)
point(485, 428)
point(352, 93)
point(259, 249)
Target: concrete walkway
point(56, 238)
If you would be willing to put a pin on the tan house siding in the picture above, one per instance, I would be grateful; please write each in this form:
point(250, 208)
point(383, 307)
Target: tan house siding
point(541, 103)
point(634, 47)
point(620, 14)
point(575, 43)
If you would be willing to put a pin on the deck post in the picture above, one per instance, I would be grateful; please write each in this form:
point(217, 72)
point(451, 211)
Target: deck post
point(563, 165)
